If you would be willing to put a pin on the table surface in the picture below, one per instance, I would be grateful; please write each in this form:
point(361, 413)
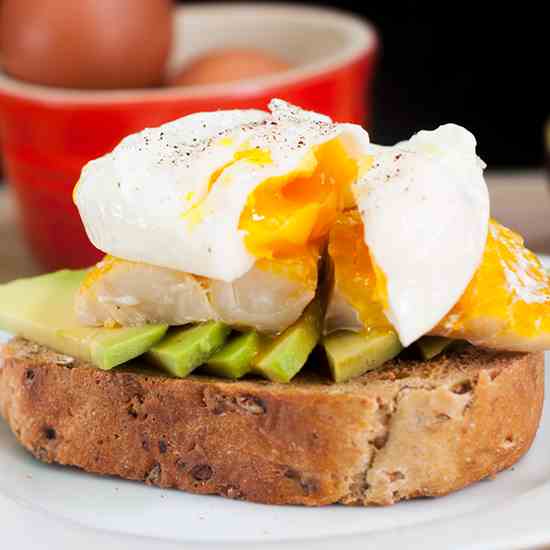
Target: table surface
point(520, 200)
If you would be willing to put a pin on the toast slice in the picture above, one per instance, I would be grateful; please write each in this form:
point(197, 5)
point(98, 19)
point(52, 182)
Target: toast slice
point(408, 430)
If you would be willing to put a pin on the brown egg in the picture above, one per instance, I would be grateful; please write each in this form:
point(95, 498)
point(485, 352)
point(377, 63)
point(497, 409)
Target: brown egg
point(86, 43)
point(228, 65)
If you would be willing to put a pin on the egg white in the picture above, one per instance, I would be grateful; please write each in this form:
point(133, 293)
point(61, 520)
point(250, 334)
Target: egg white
point(425, 210)
point(149, 200)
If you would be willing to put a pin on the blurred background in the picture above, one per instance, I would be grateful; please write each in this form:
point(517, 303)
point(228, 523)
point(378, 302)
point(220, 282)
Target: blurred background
point(479, 68)
point(76, 77)
point(457, 62)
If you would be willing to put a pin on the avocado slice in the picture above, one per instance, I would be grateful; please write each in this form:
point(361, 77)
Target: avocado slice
point(234, 360)
point(185, 349)
point(281, 358)
point(432, 346)
point(41, 309)
point(351, 354)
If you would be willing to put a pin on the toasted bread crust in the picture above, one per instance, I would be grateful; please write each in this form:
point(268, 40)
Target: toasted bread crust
point(411, 429)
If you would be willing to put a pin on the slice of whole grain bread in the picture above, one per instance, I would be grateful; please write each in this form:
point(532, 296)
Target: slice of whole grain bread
point(411, 429)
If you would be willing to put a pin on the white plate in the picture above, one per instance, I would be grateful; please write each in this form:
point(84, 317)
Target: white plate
point(44, 506)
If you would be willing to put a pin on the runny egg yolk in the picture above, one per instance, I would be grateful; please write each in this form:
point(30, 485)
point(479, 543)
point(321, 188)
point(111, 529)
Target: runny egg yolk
point(286, 214)
point(356, 276)
point(98, 271)
point(507, 299)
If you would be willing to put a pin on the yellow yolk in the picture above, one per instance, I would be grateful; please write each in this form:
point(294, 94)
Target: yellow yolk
point(508, 297)
point(357, 278)
point(194, 215)
point(98, 271)
point(284, 215)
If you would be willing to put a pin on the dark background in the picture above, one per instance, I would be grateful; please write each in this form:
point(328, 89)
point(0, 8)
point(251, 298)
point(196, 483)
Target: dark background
point(483, 65)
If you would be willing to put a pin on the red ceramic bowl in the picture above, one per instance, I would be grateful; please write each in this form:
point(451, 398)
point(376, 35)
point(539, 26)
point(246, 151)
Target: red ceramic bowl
point(48, 134)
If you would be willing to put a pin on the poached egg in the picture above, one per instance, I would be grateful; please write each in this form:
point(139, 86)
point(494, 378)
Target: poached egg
point(212, 193)
point(423, 214)
point(216, 216)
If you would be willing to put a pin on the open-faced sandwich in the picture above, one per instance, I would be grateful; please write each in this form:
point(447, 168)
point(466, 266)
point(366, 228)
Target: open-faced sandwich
point(286, 313)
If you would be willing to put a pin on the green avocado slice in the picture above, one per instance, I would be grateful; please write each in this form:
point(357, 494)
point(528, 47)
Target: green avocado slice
point(41, 309)
point(351, 354)
point(184, 349)
point(234, 360)
point(432, 346)
point(281, 358)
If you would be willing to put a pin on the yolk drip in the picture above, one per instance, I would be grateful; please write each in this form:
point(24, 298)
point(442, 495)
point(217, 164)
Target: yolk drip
point(286, 214)
point(509, 294)
point(356, 275)
point(98, 271)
